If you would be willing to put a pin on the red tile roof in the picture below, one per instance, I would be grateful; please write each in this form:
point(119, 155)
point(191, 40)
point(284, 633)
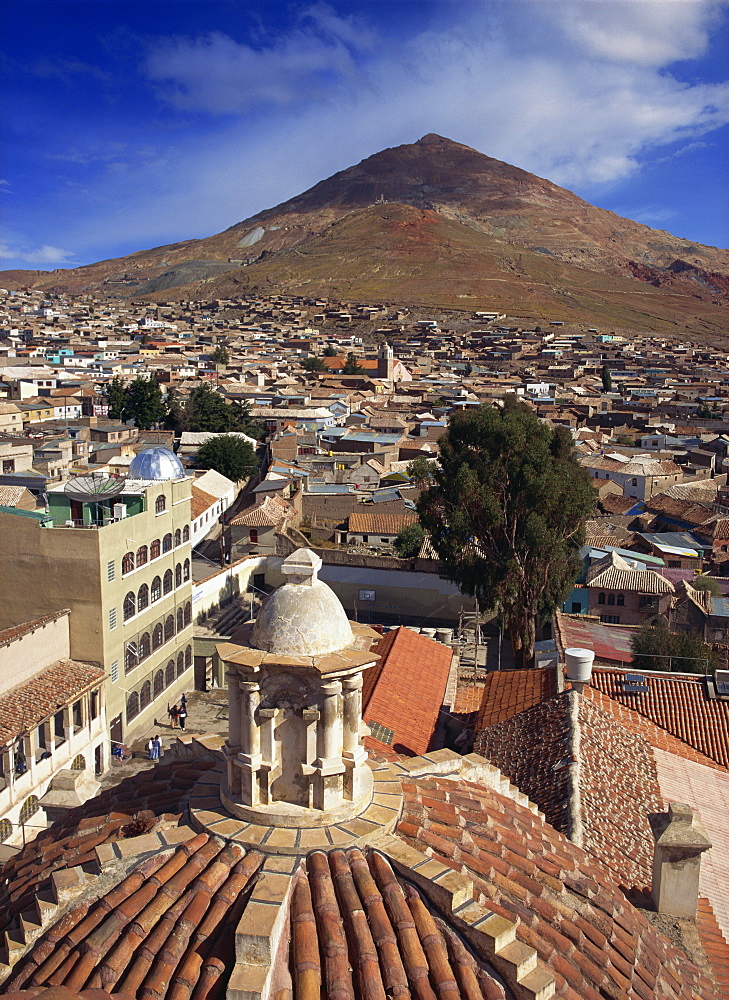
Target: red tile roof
point(508, 692)
point(677, 704)
point(200, 502)
point(375, 523)
point(15, 631)
point(611, 643)
point(29, 704)
point(595, 942)
point(404, 691)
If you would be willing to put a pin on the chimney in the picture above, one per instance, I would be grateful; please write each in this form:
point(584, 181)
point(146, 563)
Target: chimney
point(680, 842)
point(578, 667)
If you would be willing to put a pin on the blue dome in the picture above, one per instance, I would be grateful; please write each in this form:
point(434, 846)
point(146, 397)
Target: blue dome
point(156, 464)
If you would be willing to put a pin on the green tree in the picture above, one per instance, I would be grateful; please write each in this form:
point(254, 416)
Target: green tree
point(115, 397)
point(421, 471)
point(313, 364)
point(221, 355)
point(468, 369)
point(655, 646)
point(330, 352)
point(408, 542)
point(506, 513)
point(228, 455)
point(351, 365)
point(701, 582)
point(607, 379)
point(207, 410)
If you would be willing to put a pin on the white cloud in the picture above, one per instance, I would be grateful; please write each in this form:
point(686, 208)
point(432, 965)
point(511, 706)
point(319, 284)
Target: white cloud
point(44, 257)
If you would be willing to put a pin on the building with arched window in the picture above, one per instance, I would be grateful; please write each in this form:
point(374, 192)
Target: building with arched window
point(118, 571)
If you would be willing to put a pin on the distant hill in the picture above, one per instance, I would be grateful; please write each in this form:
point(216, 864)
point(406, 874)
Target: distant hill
point(437, 223)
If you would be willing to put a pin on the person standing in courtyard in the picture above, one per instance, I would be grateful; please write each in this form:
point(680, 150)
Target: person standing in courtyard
point(150, 749)
point(182, 716)
point(157, 747)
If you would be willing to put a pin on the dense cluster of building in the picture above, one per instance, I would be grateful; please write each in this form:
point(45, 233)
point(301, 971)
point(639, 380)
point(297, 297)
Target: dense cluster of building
point(342, 772)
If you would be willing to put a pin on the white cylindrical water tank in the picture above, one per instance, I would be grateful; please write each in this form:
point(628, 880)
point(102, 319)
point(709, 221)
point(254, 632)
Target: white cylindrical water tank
point(430, 632)
point(579, 664)
point(444, 635)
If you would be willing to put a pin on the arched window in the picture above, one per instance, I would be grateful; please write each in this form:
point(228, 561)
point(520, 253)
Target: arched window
point(167, 543)
point(155, 548)
point(157, 636)
point(145, 696)
point(167, 585)
point(180, 619)
point(160, 504)
point(178, 575)
point(253, 535)
point(186, 570)
point(180, 663)
point(78, 763)
point(132, 706)
point(130, 606)
point(169, 673)
point(186, 533)
point(6, 830)
point(128, 563)
point(188, 613)
point(188, 656)
point(141, 555)
point(156, 590)
point(159, 683)
point(145, 647)
point(178, 537)
point(143, 597)
point(130, 657)
point(169, 627)
point(29, 808)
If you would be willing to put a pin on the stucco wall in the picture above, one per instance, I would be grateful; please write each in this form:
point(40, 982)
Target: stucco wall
point(22, 658)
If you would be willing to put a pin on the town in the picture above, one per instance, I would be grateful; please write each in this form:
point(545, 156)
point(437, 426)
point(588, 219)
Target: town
point(134, 571)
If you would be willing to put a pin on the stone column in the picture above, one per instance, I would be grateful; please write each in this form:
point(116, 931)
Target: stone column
point(232, 747)
point(249, 758)
point(329, 767)
point(268, 752)
point(354, 754)
point(680, 842)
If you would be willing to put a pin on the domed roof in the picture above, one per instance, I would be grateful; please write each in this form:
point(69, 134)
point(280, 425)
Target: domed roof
point(156, 463)
point(304, 617)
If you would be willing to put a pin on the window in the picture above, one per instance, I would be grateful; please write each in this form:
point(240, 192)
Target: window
point(611, 599)
point(188, 613)
point(365, 538)
point(180, 619)
point(77, 715)
point(59, 730)
point(156, 589)
point(145, 696)
point(145, 647)
point(141, 555)
point(112, 618)
point(110, 571)
point(8, 466)
point(6, 827)
point(600, 598)
point(128, 563)
point(155, 548)
point(132, 706)
point(576, 608)
point(78, 763)
point(29, 808)
point(130, 657)
point(142, 597)
point(253, 535)
point(169, 627)
point(94, 705)
point(620, 600)
point(130, 606)
point(188, 656)
point(115, 671)
point(167, 543)
point(648, 601)
point(160, 504)
point(186, 533)
point(186, 570)
point(169, 673)
point(157, 636)
point(167, 585)
point(180, 663)
point(159, 683)
point(178, 575)
point(610, 619)
point(635, 482)
point(178, 538)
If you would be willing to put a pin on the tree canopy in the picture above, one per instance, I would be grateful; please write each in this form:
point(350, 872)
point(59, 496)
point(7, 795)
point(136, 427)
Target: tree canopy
point(228, 455)
point(408, 542)
point(607, 379)
point(506, 513)
point(313, 364)
point(139, 400)
point(206, 410)
point(221, 355)
point(701, 582)
point(351, 365)
point(657, 648)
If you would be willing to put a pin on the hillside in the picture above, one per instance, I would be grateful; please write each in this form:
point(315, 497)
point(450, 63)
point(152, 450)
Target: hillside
point(435, 222)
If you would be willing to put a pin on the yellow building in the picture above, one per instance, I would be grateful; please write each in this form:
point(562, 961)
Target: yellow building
point(117, 553)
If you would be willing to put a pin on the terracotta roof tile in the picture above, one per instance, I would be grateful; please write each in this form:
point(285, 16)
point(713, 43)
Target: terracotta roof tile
point(200, 502)
point(373, 522)
point(505, 693)
point(27, 705)
point(404, 691)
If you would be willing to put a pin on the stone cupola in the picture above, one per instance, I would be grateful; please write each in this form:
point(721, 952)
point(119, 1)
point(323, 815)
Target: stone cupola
point(294, 751)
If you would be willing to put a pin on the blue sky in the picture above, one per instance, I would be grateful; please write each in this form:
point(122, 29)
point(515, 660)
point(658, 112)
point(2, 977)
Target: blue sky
point(129, 125)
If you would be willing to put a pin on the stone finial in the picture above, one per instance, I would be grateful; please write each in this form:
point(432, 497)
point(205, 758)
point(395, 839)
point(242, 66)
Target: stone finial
point(301, 567)
point(680, 841)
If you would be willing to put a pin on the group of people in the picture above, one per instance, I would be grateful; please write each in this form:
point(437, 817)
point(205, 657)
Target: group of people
point(154, 747)
point(178, 716)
